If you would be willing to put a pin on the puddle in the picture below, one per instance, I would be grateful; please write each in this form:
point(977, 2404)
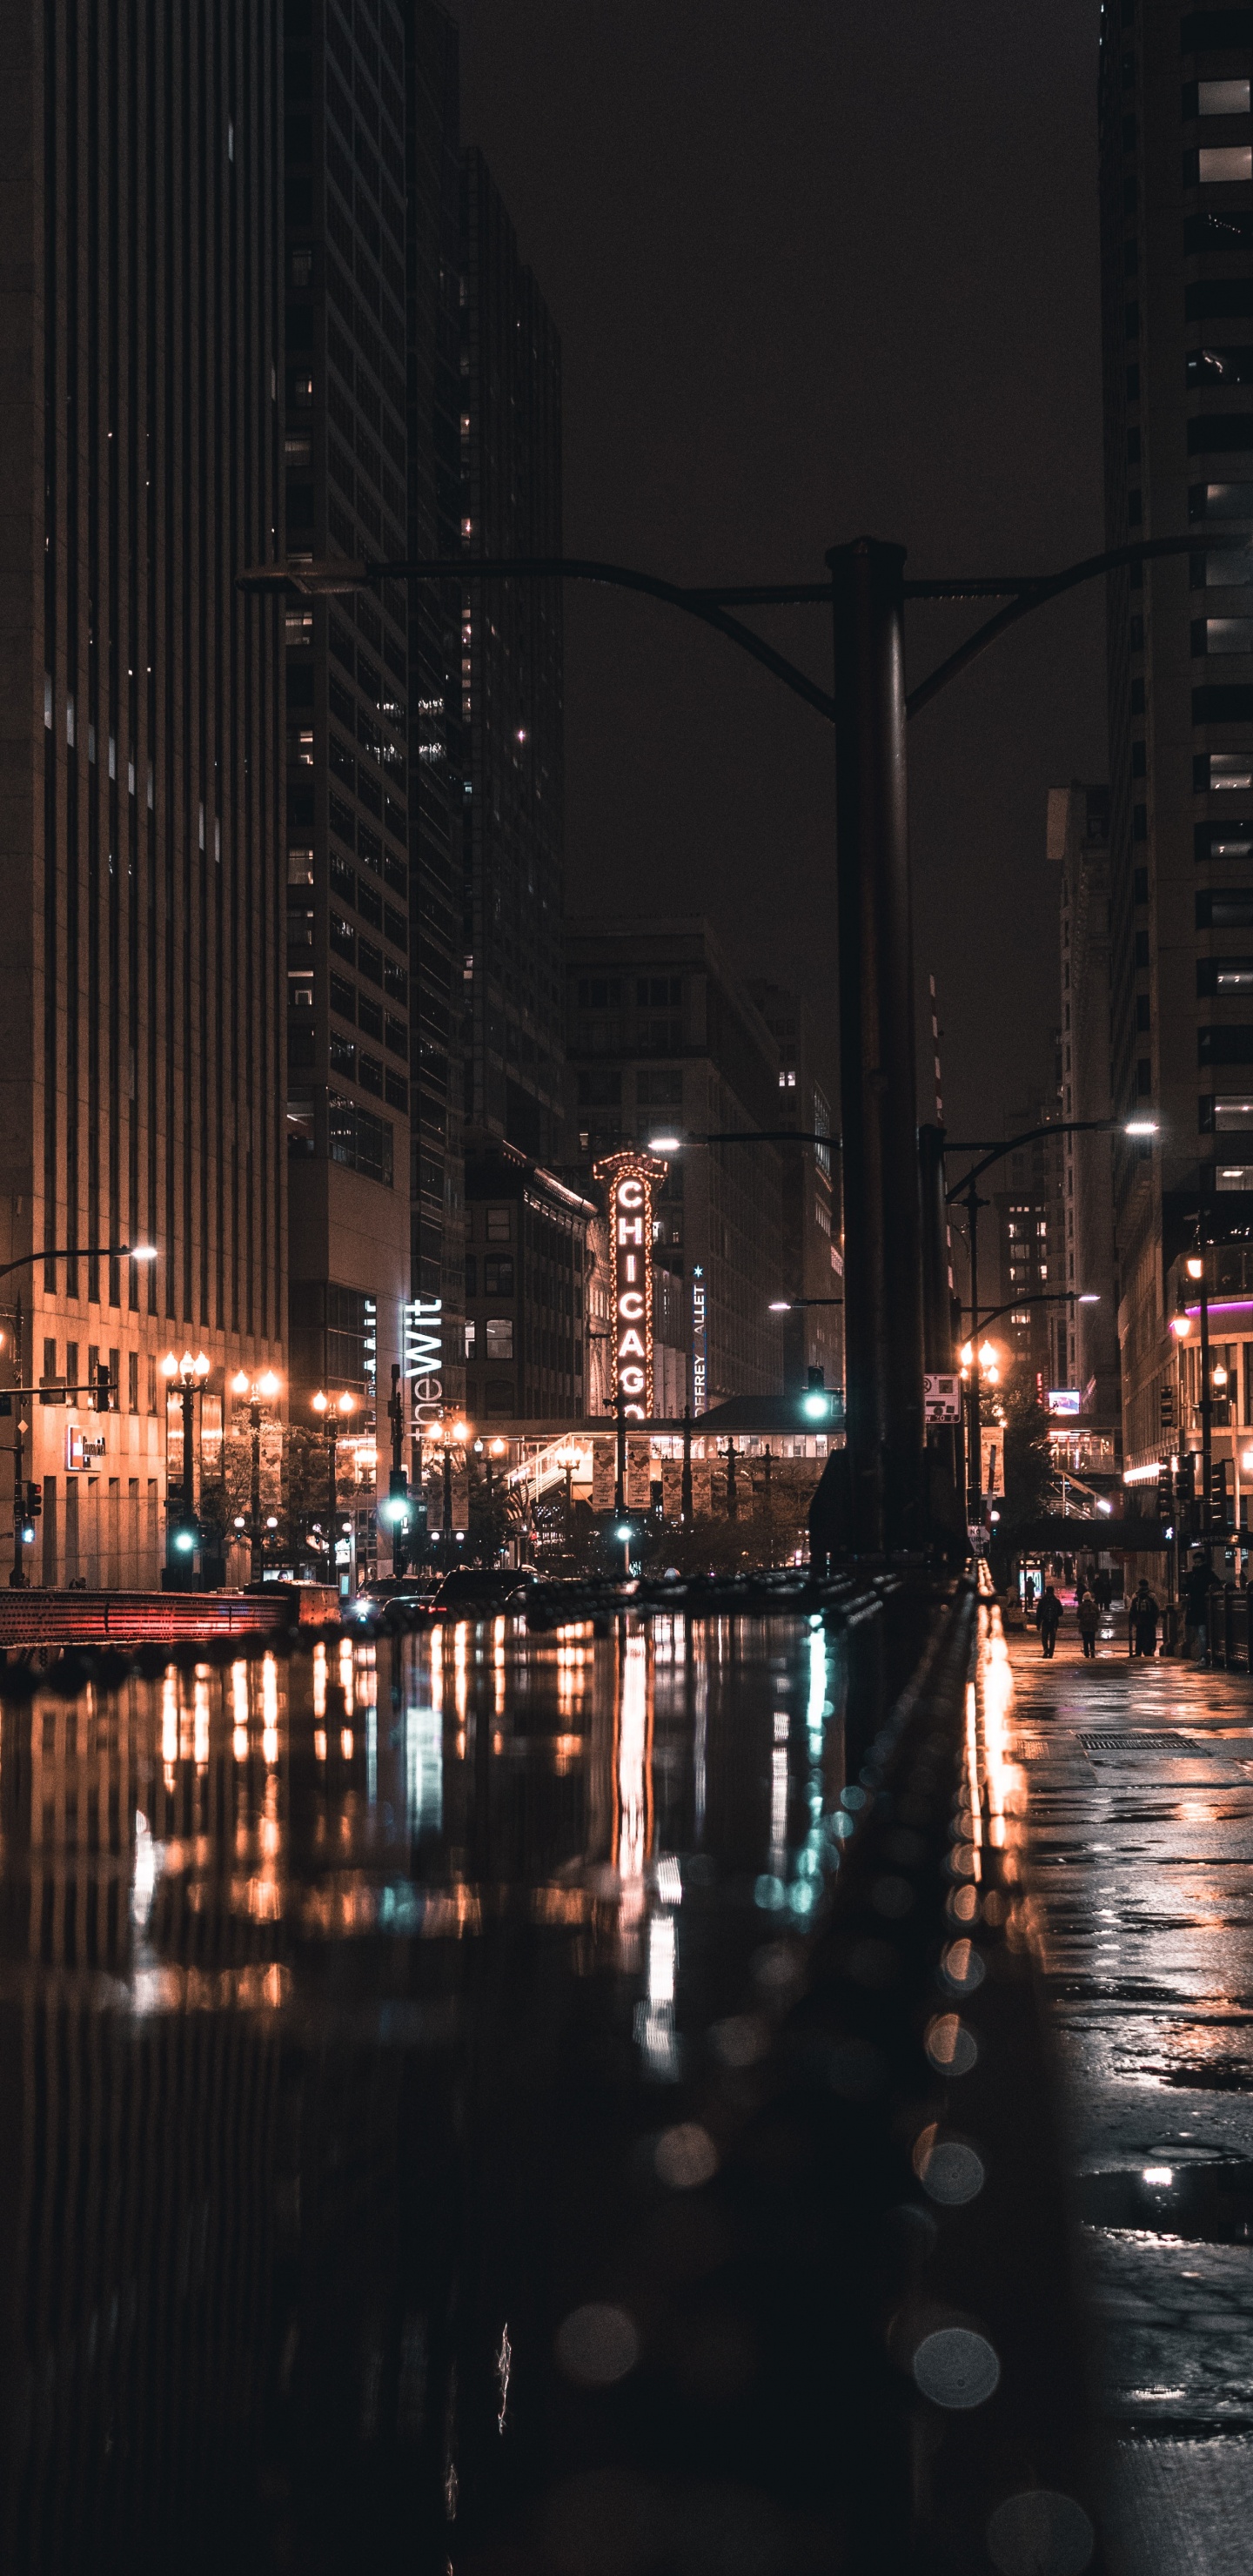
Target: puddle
point(1209, 2203)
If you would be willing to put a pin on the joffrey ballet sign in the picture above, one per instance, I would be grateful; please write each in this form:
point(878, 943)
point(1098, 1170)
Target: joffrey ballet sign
point(632, 1181)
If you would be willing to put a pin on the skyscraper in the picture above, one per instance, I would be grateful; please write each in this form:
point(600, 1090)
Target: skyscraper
point(141, 790)
point(1177, 238)
point(664, 1040)
point(812, 1245)
point(436, 796)
point(511, 687)
point(1078, 843)
point(346, 446)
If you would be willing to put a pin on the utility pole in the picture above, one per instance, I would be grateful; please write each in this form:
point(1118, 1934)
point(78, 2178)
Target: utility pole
point(685, 1488)
point(620, 1459)
point(883, 1407)
point(18, 1576)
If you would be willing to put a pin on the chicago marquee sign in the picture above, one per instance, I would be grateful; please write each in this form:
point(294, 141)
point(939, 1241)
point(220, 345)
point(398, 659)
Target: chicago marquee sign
point(631, 1183)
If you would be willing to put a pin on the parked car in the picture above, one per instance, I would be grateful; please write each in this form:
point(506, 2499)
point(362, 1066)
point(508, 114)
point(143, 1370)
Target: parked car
point(481, 1591)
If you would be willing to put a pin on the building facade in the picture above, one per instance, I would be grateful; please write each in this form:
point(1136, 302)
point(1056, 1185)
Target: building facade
point(1177, 240)
point(511, 755)
point(526, 1283)
point(436, 795)
point(1027, 1194)
point(345, 439)
point(813, 1224)
point(141, 785)
point(1078, 844)
point(663, 1040)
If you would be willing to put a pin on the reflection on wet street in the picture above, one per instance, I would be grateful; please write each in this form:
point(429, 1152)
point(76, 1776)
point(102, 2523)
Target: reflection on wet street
point(1132, 1784)
point(343, 2003)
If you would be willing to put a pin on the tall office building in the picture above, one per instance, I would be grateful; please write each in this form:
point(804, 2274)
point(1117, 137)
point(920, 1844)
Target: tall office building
point(511, 688)
point(346, 444)
point(141, 788)
point(813, 1245)
point(1177, 228)
point(664, 1040)
point(436, 795)
point(1078, 844)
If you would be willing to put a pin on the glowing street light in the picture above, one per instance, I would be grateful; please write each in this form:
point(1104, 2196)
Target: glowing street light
point(190, 1373)
point(259, 1390)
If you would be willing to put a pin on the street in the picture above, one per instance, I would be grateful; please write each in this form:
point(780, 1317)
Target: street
point(1132, 1786)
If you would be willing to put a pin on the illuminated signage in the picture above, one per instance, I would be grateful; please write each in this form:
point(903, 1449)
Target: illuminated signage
point(700, 1341)
point(1065, 1399)
point(79, 1448)
point(631, 1181)
point(424, 1359)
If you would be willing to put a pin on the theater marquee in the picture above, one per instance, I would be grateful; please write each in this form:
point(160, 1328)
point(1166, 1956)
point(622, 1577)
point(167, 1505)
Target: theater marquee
point(632, 1182)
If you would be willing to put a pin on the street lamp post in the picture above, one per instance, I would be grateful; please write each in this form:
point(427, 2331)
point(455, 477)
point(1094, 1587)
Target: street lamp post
point(191, 1373)
point(966, 1192)
point(865, 594)
point(335, 1414)
point(258, 1390)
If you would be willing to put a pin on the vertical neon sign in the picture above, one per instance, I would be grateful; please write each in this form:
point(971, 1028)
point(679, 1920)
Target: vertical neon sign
point(700, 1341)
point(631, 1181)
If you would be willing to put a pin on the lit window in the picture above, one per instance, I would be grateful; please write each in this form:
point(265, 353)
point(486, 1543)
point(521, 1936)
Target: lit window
point(469, 1337)
point(1224, 165)
point(1222, 98)
point(498, 1337)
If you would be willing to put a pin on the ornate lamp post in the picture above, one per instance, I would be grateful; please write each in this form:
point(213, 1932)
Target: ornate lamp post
point(258, 1390)
point(336, 1413)
point(190, 1373)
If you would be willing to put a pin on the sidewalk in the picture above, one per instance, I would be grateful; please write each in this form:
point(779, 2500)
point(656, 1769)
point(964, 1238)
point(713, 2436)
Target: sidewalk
point(1130, 1789)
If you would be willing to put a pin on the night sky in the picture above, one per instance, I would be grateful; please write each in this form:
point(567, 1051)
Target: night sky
point(819, 267)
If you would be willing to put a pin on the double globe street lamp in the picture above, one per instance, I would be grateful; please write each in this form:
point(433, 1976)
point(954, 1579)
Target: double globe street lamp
point(257, 1391)
point(335, 1413)
point(190, 1373)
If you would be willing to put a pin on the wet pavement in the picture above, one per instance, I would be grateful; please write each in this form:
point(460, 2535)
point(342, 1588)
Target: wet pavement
point(348, 2006)
point(1132, 1784)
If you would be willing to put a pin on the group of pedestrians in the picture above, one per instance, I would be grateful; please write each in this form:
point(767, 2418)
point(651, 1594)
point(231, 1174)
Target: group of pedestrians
point(1143, 1617)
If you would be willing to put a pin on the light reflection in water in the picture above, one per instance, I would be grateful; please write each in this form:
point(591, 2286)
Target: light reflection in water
point(382, 1937)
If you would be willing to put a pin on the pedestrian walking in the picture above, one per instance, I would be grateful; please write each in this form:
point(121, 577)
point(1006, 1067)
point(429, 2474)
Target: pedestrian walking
point(1196, 1592)
point(1143, 1622)
point(1048, 1619)
point(1089, 1622)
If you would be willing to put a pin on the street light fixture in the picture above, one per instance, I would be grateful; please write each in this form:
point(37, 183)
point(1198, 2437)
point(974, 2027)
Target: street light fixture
point(336, 1413)
point(190, 1372)
point(865, 593)
point(259, 1390)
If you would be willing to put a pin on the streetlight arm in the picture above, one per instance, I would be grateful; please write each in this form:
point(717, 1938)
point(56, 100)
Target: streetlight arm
point(67, 1252)
point(318, 582)
point(1050, 586)
point(1038, 1297)
point(1030, 1136)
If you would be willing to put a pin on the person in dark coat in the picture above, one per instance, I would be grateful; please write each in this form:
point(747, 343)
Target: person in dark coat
point(1143, 1622)
point(1196, 1592)
point(1048, 1619)
point(1089, 1622)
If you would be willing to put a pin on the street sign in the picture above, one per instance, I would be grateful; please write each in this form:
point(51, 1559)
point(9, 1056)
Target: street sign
point(941, 1397)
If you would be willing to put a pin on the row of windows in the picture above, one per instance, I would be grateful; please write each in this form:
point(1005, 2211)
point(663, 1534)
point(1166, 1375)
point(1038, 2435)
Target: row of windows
point(603, 1090)
point(652, 992)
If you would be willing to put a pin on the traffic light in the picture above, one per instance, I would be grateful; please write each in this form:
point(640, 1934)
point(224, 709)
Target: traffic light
point(1168, 1405)
point(1219, 1499)
point(817, 1404)
point(34, 1500)
point(397, 1508)
point(1165, 1497)
point(103, 1395)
